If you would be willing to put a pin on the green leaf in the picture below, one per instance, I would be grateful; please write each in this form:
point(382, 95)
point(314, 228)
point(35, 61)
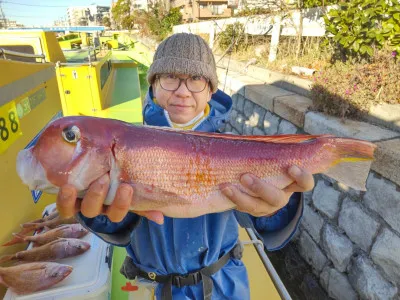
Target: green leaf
point(380, 38)
point(370, 51)
point(333, 13)
point(363, 49)
point(356, 46)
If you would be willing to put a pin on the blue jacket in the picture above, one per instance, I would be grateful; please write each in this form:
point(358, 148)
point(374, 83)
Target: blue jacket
point(186, 245)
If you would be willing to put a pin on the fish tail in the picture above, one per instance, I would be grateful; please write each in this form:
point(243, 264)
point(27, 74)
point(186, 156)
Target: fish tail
point(352, 161)
point(6, 258)
point(18, 238)
point(32, 226)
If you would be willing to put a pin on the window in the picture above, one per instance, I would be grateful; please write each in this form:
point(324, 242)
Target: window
point(105, 72)
point(27, 49)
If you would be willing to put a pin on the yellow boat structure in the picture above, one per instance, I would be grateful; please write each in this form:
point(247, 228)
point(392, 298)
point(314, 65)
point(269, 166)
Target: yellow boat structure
point(43, 78)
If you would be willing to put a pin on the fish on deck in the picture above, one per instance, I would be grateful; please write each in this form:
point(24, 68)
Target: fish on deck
point(32, 277)
point(62, 231)
point(58, 249)
point(180, 173)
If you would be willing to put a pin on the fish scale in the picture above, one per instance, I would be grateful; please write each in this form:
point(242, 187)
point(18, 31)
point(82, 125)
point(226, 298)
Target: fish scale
point(180, 172)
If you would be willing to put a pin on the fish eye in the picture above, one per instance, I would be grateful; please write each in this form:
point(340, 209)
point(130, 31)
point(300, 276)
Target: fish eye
point(71, 134)
point(55, 274)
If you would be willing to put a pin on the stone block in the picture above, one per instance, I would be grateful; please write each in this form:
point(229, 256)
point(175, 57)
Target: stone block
point(234, 131)
point(385, 114)
point(307, 196)
point(259, 115)
point(264, 95)
point(247, 128)
point(248, 108)
point(292, 108)
point(312, 222)
point(310, 251)
point(358, 225)
point(258, 131)
point(256, 117)
point(240, 103)
point(387, 160)
point(386, 253)
point(237, 121)
point(285, 127)
point(271, 123)
point(383, 197)
point(337, 246)
point(326, 199)
point(235, 100)
point(318, 123)
point(337, 285)
point(368, 282)
point(228, 128)
point(324, 277)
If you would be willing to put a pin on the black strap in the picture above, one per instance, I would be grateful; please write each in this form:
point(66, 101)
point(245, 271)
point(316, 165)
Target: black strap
point(130, 271)
point(194, 278)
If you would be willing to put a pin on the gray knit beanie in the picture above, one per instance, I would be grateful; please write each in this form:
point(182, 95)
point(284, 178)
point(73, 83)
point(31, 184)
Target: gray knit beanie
point(184, 53)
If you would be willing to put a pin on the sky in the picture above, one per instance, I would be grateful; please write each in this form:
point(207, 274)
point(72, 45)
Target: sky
point(42, 12)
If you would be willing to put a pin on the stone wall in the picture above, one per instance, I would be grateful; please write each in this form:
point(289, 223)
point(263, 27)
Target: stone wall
point(351, 239)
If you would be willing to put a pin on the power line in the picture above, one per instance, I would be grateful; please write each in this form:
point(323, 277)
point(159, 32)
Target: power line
point(24, 4)
point(14, 16)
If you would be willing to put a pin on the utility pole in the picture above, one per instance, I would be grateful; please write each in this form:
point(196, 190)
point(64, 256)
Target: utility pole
point(2, 15)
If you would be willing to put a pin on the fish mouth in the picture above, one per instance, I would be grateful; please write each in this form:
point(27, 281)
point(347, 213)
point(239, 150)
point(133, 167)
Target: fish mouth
point(32, 173)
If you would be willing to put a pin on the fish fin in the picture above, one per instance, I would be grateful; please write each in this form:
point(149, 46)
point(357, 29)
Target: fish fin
point(5, 258)
point(284, 138)
point(115, 172)
point(15, 240)
point(32, 226)
point(352, 174)
point(353, 163)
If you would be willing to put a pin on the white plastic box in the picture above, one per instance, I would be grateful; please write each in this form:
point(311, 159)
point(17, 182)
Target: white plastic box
point(89, 280)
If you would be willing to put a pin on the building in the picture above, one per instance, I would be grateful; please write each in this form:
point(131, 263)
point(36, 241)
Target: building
point(200, 10)
point(267, 4)
point(91, 15)
point(61, 22)
point(7, 23)
point(139, 5)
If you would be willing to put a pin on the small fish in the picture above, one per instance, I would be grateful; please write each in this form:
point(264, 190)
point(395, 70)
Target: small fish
point(62, 231)
point(32, 277)
point(58, 249)
point(48, 217)
point(53, 223)
point(26, 230)
point(180, 173)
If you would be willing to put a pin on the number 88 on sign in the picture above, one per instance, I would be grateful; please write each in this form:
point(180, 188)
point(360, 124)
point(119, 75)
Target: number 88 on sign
point(9, 126)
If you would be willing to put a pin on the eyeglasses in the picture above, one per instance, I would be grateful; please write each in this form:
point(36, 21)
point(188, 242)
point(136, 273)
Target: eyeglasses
point(171, 82)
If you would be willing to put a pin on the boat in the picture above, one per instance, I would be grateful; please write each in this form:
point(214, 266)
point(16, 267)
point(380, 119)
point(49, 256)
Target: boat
point(43, 78)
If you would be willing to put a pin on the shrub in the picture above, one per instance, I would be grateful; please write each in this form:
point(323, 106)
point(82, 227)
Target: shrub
point(358, 27)
point(233, 33)
point(348, 89)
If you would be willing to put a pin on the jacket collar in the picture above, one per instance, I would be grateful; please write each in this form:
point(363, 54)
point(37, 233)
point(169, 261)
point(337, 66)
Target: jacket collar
point(220, 107)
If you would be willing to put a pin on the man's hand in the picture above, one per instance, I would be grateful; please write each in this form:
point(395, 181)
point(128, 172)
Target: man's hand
point(92, 203)
point(269, 199)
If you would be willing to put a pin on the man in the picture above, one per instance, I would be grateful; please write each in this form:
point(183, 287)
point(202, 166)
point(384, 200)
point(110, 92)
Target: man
point(193, 258)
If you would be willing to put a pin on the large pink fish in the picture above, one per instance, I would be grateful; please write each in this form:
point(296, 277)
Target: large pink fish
point(177, 172)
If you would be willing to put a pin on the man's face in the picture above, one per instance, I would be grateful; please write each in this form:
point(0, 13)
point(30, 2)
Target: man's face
point(182, 105)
